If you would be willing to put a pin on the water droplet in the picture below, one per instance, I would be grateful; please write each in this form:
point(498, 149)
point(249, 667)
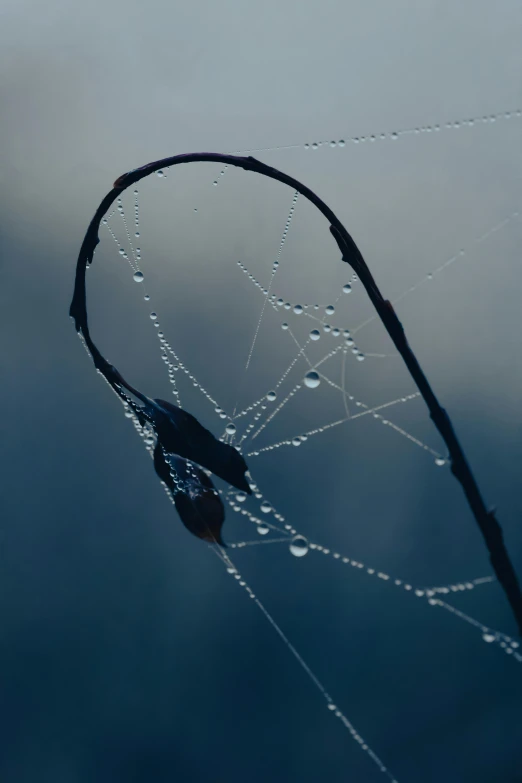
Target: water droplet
point(298, 546)
point(215, 182)
point(160, 173)
point(153, 316)
point(342, 142)
point(138, 277)
point(347, 288)
point(394, 136)
point(241, 497)
point(284, 326)
point(488, 637)
point(360, 357)
point(271, 396)
point(298, 309)
point(263, 529)
point(312, 379)
point(440, 461)
point(329, 310)
point(315, 334)
point(296, 441)
point(146, 297)
point(266, 508)
point(149, 440)
point(333, 144)
point(280, 302)
point(315, 145)
point(230, 429)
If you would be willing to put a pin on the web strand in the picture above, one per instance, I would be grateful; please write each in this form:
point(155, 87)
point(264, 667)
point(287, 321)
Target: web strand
point(460, 123)
point(306, 668)
point(274, 270)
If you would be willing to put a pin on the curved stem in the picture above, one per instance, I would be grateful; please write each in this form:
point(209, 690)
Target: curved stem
point(486, 520)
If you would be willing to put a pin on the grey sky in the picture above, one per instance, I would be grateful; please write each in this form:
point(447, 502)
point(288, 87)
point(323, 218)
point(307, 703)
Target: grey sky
point(127, 652)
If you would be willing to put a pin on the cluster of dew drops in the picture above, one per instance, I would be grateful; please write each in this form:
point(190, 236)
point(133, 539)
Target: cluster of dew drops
point(299, 545)
point(312, 378)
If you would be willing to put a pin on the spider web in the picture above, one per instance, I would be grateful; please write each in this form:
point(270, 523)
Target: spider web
point(308, 390)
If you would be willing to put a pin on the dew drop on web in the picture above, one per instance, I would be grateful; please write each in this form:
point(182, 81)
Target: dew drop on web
point(312, 379)
point(298, 546)
point(230, 429)
point(138, 277)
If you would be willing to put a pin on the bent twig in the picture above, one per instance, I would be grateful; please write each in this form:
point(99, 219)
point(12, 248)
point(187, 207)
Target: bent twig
point(486, 520)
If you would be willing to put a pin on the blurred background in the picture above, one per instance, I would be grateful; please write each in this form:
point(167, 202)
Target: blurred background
point(127, 651)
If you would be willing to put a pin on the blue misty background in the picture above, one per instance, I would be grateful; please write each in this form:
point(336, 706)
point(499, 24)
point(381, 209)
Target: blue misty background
point(127, 652)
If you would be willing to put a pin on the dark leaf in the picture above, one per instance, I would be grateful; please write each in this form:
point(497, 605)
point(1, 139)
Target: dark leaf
point(181, 433)
point(197, 502)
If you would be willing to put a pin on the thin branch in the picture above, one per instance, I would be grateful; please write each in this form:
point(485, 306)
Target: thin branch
point(460, 468)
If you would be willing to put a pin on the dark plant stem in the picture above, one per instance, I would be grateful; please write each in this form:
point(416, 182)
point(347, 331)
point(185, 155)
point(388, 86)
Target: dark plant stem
point(486, 520)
